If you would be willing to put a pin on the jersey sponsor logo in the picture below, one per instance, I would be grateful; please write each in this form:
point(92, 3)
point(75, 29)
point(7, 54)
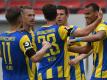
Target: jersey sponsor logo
point(7, 38)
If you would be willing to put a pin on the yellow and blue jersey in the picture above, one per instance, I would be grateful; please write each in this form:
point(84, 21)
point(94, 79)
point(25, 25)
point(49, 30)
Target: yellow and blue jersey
point(15, 63)
point(77, 71)
point(100, 55)
point(54, 64)
point(33, 72)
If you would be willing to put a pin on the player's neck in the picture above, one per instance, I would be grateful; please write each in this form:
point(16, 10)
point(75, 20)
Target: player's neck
point(51, 22)
point(13, 28)
point(65, 24)
point(27, 28)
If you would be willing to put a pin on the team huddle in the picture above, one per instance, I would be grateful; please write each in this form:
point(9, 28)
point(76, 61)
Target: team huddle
point(59, 48)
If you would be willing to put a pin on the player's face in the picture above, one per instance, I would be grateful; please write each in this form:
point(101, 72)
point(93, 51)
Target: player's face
point(28, 17)
point(61, 18)
point(90, 15)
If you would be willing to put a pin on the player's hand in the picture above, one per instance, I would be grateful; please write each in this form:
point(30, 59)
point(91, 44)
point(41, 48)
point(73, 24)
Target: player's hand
point(46, 44)
point(100, 14)
point(70, 41)
point(73, 61)
point(67, 28)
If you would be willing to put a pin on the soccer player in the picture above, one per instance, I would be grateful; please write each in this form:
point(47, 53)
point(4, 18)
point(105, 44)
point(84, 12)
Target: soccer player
point(28, 22)
point(99, 43)
point(16, 48)
point(54, 65)
point(76, 70)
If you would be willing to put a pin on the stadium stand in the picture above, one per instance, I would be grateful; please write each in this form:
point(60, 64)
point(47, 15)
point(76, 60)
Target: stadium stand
point(2, 4)
point(70, 3)
point(12, 3)
point(73, 5)
point(38, 4)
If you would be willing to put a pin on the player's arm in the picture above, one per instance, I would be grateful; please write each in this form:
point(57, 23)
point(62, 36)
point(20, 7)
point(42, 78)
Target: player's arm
point(28, 50)
point(100, 35)
point(80, 49)
point(88, 29)
point(37, 56)
point(66, 31)
point(79, 58)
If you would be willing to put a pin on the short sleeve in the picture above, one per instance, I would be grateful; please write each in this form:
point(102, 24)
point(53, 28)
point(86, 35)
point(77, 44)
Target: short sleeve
point(25, 43)
point(64, 33)
point(102, 27)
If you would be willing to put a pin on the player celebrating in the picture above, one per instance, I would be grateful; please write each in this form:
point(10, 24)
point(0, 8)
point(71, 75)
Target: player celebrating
point(98, 39)
point(16, 48)
point(54, 65)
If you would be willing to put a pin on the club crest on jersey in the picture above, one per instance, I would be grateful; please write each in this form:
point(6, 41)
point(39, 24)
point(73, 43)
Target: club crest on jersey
point(27, 45)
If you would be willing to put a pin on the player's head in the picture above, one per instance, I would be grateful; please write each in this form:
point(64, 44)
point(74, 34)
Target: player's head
point(91, 12)
point(50, 12)
point(13, 15)
point(28, 16)
point(62, 15)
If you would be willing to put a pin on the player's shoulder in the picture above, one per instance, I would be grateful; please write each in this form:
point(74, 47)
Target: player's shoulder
point(18, 34)
point(103, 23)
point(24, 38)
point(5, 33)
point(45, 27)
point(102, 26)
point(2, 33)
point(38, 29)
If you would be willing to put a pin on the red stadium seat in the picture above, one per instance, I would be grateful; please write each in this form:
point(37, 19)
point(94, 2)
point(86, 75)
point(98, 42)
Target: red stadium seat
point(38, 11)
point(40, 3)
point(13, 3)
point(2, 4)
point(70, 3)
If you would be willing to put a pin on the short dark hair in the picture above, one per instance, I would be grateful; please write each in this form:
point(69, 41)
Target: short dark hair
point(49, 11)
point(63, 8)
point(12, 14)
point(94, 6)
point(26, 7)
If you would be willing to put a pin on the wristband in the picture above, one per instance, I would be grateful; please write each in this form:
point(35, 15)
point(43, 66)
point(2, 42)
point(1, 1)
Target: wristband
point(78, 39)
point(30, 52)
point(73, 30)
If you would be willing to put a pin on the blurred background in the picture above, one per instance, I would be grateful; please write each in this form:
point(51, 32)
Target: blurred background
point(76, 17)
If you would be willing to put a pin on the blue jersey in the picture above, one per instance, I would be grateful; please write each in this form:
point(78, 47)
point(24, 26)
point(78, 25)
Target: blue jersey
point(55, 62)
point(15, 64)
point(33, 72)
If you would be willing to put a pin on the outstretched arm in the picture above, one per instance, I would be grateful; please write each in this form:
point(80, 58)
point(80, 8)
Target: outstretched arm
point(88, 29)
point(28, 50)
point(80, 49)
point(100, 35)
point(37, 56)
point(79, 58)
